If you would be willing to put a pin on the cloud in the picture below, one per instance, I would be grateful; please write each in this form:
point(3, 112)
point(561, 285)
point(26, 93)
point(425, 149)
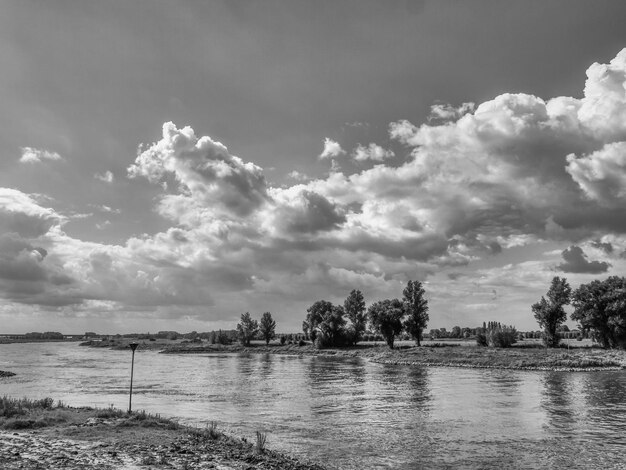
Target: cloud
point(603, 109)
point(105, 208)
point(607, 247)
point(299, 211)
point(106, 177)
point(601, 174)
point(575, 261)
point(297, 176)
point(447, 112)
point(33, 155)
point(372, 152)
point(332, 149)
point(19, 213)
point(204, 168)
point(516, 172)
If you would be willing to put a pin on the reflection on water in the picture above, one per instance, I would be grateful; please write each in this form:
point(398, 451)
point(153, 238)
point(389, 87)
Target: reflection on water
point(351, 413)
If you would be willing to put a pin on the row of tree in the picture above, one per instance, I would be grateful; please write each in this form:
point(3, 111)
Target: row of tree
point(248, 329)
point(599, 309)
point(329, 325)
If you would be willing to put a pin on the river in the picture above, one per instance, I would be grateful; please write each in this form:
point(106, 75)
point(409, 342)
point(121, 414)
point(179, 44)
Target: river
point(350, 413)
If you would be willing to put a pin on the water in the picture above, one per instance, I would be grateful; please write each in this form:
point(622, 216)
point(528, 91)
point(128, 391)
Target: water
point(350, 414)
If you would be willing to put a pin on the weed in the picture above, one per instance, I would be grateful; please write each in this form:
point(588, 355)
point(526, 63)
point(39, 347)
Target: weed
point(261, 437)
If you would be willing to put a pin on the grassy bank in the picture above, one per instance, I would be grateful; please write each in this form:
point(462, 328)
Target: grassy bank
point(42, 434)
point(442, 355)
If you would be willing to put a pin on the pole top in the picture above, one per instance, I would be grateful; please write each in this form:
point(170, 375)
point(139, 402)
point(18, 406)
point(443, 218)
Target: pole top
point(133, 346)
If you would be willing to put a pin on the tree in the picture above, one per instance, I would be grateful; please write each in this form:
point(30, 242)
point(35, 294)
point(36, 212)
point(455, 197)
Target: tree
point(600, 309)
point(386, 318)
point(416, 307)
point(267, 327)
point(247, 328)
point(354, 307)
point(549, 311)
point(456, 332)
point(325, 323)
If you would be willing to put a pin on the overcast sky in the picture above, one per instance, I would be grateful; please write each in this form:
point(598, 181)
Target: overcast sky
point(173, 164)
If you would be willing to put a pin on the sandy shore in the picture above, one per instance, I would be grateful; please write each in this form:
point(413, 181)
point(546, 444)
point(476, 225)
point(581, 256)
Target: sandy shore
point(80, 438)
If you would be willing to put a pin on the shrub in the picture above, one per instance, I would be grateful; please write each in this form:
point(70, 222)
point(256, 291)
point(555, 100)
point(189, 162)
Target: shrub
point(481, 339)
point(502, 336)
point(283, 340)
point(301, 342)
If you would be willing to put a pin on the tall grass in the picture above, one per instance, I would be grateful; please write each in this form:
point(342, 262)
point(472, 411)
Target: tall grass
point(10, 407)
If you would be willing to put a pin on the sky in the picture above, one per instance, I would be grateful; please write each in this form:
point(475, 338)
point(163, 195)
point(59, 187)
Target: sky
point(170, 165)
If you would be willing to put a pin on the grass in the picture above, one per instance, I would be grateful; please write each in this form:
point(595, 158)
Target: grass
point(26, 413)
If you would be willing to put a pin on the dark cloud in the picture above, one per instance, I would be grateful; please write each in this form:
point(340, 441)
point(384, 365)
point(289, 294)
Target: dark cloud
point(604, 246)
point(575, 261)
point(310, 213)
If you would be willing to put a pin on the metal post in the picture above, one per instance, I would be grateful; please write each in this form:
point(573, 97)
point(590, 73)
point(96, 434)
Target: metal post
point(133, 346)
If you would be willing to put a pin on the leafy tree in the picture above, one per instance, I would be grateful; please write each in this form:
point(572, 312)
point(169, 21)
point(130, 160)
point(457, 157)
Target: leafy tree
point(354, 307)
point(416, 307)
point(325, 323)
point(386, 318)
point(600, 308)
point(456, 332)
point(267, 327)
point(549, 311)
point(247, 328)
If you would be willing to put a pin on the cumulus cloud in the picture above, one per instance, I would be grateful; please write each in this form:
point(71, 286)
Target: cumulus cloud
point(106, 177)
point(19, 213)
point(575, 261)
point(372, 152)
point(27, 274)
point(447, 112)
point(332, 149)
point(299, 211)
point(33, 155)
point(512, 172)
point(601, 174)
point(204, 168)
point(603, 109)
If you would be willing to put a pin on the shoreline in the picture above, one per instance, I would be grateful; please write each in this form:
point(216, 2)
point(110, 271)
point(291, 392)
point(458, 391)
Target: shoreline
point(524, 358)
point(468, 357)
point(37, 434)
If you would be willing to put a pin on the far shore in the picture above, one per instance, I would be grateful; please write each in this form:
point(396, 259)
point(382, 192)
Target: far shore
point(41, 434)
point(6, 373)
point(525, 355)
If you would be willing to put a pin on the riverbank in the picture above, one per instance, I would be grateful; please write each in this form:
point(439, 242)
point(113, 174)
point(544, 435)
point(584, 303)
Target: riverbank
point(440, 355)
point(6, 373)
point(40, 434)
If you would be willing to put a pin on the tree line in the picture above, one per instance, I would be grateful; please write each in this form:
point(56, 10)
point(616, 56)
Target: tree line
point(599, 309)
point(329, 325)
